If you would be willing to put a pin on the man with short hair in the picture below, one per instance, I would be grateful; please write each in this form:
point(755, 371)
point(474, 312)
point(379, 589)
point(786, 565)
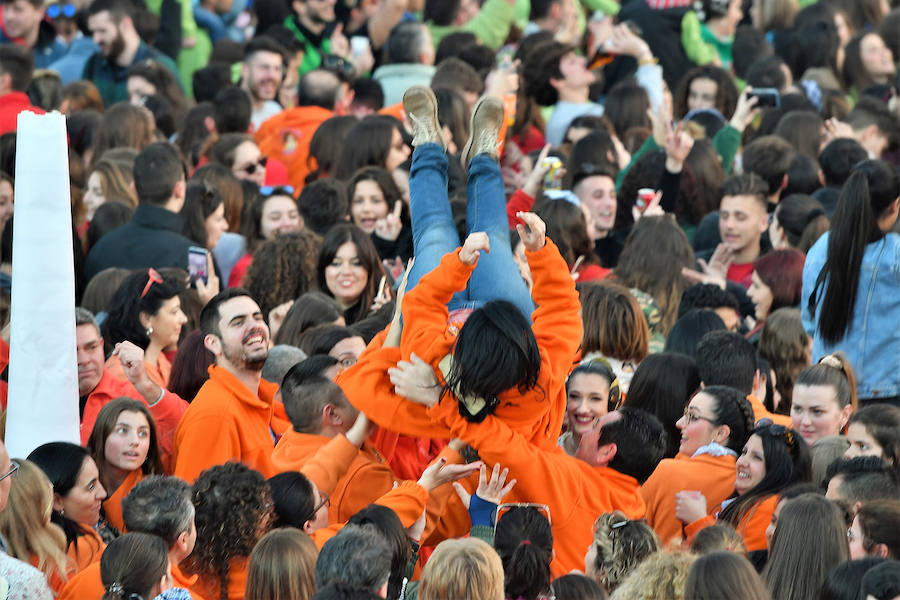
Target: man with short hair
point(708, 295)
point(16, 67)
point(161, 506)
point(873, 125)
point(97, 386)
point(314, 24)
point(410, 58)
point(770, 157)
point(112, 27)
point(357, 556)
point(459, 76)
point(596, 190)
point(317, 97)
point(727, 358)
point(261, 73)
point(854, 481)
point(22, 22)
point(152, 238)
point(559, 17)
point(743, 219)
point(16, 575)
point(230, 418)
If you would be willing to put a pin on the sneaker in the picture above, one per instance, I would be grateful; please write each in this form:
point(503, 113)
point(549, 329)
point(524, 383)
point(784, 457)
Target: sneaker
point(484, 132)
point(421, 108)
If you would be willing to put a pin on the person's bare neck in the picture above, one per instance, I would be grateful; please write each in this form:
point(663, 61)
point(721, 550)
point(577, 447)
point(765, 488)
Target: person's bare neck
point(31, 37)
point(151, 354)
point(114, 477)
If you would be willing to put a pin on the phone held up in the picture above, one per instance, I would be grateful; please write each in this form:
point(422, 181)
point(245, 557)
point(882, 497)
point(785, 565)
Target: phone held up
point(197, 264)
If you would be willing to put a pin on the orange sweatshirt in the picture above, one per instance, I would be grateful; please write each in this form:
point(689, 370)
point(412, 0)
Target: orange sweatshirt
point(538, 414)
point(226, 421)
point(88, 585)
point(352, 477)
point(85, 550)
point(112, 506)
point(711, 475)
point(752, 527)
point(204, 587)
point(576, 492)
point(285, 137)
point(760, 412)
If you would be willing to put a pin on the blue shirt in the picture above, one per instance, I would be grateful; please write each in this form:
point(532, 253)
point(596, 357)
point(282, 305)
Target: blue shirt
point(872, 342)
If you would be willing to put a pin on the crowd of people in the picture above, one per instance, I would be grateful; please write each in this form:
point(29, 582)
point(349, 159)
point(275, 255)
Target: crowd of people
point(463, 299)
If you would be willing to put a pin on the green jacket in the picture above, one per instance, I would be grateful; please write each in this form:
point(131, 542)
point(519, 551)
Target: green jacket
point(490, 25)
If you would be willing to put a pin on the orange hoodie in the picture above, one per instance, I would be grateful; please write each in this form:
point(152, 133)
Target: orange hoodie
point(286, 136)
point(752, 527)
point(538, 414)
point(576, 492)
point(362, 475)
point(226, 421)
point(85, 550)
point(711, 475)
point(112, 506)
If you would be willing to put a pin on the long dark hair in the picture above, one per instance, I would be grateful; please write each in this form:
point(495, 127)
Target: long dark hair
point(371, 144)
point(309, 310)
point(787, 462)
point(524, 541)
point(869, 192)
point(134, 564)
point(496, 350)
point(368, 257)
point(200, 201)
point(62, 463)
point(123, 322)
point(732, 409)
point(663, 384)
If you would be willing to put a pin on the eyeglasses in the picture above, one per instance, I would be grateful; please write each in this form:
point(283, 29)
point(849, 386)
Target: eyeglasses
point(13, 469)
point(268, 190)
point(251, 168)
point(153, 277)
point(776, 430)
point(55, 11)
point(324, 501)
point(690, 417)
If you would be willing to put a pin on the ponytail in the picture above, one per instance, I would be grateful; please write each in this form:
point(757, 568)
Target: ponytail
point(869, 191)
point(524, 541)
point(833, 371)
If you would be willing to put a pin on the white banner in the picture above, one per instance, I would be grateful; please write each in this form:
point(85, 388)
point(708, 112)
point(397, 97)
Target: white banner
point(43, 370)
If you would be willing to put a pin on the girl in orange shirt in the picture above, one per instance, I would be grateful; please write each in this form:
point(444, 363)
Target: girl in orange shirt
point(26, 526)
point(124, 446)
point(773, 458)
point(77, 497)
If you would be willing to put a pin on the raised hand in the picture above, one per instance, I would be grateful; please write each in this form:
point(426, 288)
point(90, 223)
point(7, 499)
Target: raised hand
point(473, 246)
point(492, 490)
point(533, 232)
point(389, 227)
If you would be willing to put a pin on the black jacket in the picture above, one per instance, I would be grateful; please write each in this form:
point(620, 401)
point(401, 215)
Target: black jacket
point(151, 239)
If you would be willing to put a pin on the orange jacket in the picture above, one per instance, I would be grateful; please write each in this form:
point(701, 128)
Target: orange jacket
point(158, 373)
point(711, 475)
point(760, 412)
point(576, 492)
point(538, 414)
point(352, 477)
point(85, 550)
point(166, 413)
point(204, 587)
point(112, 506)
point(286, 136)
point(88, 585)
point(752, 527)
point(226, 421)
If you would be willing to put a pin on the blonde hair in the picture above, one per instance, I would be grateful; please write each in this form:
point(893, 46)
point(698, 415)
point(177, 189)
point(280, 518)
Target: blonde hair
point(464, 568)
point(25, 522)
point(661, 577)
point(716, 538)
point(622, 544)
point(282, 567)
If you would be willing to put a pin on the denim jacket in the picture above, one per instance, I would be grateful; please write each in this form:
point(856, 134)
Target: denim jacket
point(872, 344)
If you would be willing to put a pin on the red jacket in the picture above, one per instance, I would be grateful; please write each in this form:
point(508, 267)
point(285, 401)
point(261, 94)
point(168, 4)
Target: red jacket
point(11, 105)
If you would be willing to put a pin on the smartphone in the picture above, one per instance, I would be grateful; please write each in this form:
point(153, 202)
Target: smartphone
point(197, 264)
point(358, 45)
point(768, 97)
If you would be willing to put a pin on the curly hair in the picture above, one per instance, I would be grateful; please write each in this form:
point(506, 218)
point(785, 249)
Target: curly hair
point(622, 545)
point(283, 269)
point(233, 511)
point(662, 575)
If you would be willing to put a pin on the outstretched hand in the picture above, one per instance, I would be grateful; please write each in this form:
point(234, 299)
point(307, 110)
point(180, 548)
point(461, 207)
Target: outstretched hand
point(473, 246)
point(439, 473)
point(493, 490)
point(533, 232)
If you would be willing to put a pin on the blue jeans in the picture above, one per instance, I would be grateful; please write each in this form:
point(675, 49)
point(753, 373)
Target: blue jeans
point(434, 233)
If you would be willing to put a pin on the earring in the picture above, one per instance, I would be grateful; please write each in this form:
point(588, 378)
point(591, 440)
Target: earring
point(62, 512)
point(149, 331)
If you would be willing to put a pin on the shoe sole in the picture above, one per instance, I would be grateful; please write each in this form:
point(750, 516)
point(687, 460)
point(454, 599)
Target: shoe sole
point(484, 100)
point(428, 93)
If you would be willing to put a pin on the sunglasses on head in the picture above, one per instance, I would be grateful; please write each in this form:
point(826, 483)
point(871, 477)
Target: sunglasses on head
point(270, 190)
point(776, 430)
point(55, 11)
